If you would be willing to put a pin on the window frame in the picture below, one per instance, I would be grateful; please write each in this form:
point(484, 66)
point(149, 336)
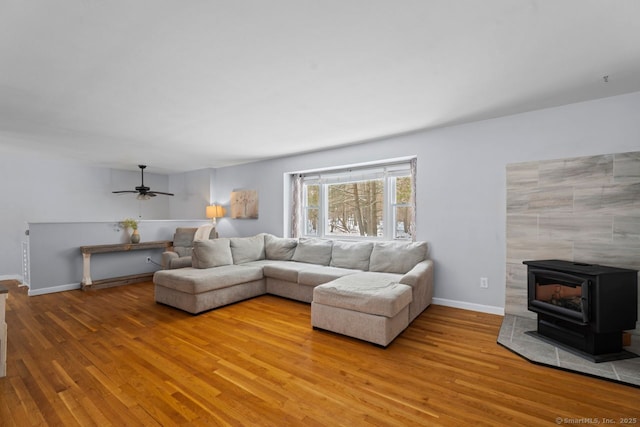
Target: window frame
point(388, 172)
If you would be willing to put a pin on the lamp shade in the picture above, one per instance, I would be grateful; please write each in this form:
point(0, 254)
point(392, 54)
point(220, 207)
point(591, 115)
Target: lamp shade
point(215, 211)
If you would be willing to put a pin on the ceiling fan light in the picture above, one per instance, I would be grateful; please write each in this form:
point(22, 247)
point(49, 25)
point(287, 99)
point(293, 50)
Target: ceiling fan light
point(143, 197)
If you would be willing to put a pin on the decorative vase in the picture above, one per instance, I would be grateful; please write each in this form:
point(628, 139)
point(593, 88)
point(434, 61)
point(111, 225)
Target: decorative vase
point(135, 237)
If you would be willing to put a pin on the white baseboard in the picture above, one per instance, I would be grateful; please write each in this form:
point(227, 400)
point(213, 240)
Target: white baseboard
point(53, 289)
point(490, 309)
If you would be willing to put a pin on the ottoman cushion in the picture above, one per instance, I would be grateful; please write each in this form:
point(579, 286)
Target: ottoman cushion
point(378, 294)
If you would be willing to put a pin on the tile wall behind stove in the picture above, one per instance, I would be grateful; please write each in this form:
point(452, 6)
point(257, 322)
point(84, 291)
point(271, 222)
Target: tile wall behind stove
point(584, 209)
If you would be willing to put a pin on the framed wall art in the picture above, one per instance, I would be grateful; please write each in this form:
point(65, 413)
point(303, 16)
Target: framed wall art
point(244, 204)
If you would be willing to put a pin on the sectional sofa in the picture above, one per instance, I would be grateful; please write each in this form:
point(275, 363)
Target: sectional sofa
point(367, 290)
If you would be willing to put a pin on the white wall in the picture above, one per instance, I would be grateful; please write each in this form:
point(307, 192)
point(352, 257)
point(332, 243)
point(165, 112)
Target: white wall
point(461, 187)
point(193, 193)
point(461, 183)
point(35, 189)
point(56, 261)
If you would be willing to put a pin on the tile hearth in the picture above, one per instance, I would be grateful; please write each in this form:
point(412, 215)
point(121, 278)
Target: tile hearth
point(513, 336)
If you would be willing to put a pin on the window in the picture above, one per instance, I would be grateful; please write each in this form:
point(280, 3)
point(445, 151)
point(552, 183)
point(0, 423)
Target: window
point(373, 202)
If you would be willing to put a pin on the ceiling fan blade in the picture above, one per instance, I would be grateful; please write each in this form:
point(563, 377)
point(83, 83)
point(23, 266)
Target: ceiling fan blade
point(143, 191)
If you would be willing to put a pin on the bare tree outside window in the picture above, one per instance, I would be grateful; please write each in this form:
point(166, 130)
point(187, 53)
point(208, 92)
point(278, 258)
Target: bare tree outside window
point(355, 208)
point(312, 209)
point(403, 208)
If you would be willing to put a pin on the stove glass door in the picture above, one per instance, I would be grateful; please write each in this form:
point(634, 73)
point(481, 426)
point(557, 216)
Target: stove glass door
point(561, 293)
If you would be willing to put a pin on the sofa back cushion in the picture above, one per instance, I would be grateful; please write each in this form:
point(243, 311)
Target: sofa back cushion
point(279, 248)
point(247, 249)
point(313, 251)
point(211, 253)
point(397, 257)
point(351, 254)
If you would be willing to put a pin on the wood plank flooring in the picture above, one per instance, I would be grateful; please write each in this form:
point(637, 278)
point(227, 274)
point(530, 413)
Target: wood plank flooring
point(114, 357)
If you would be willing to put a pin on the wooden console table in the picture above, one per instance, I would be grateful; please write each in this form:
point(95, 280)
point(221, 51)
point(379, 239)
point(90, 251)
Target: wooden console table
point(87, 251)
point(4, 294)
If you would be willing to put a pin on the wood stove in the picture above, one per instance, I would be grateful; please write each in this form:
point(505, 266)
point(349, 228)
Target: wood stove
point(583, 308)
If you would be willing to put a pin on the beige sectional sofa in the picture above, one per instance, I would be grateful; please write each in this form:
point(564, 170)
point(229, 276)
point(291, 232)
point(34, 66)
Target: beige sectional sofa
point(367, 290)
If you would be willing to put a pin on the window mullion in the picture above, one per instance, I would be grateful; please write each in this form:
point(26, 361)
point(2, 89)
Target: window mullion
point(389, 208)
point(323, 214)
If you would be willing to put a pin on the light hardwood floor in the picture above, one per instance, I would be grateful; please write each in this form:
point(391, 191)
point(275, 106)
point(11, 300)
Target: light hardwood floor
point(115, 357)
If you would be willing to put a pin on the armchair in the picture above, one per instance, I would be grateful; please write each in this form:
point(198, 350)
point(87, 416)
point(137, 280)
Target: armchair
point(179, 255)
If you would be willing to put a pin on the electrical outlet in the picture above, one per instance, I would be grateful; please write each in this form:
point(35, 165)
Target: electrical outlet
point(148, 259)
point(484, 282)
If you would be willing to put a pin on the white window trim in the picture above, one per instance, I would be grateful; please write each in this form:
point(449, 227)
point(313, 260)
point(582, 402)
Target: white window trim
point(389, 211)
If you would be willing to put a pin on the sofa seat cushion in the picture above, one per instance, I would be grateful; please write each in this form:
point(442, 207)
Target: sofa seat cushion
point(317, 275)
point(197, 280)
point(259, 263)
point(372, 293)
point(285, 270)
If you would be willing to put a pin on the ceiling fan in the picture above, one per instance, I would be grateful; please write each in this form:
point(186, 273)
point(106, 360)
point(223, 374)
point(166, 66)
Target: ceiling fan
point(144, 193)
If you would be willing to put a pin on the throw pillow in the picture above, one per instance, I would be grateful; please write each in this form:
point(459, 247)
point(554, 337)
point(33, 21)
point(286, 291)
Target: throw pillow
point(279, 248)
point(397, 257)
point(211, 253)
point(313, 251)
point(351, 254)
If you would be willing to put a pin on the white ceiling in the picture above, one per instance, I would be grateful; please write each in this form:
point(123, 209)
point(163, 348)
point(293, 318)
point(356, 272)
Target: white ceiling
point(184, 85)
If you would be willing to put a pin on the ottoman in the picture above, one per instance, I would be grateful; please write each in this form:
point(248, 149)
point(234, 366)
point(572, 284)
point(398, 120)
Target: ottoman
point(369, 306)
